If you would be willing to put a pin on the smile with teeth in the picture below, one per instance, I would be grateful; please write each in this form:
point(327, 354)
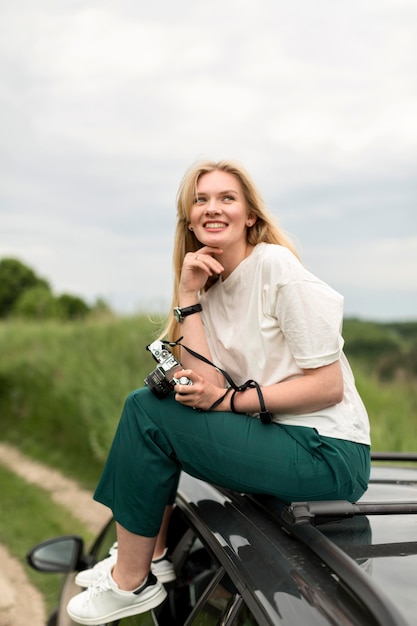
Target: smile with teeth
point(215, 225)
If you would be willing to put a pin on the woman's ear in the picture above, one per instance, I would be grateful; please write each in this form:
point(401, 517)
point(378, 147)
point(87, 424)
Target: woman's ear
point(251, 220)
point(190, 227)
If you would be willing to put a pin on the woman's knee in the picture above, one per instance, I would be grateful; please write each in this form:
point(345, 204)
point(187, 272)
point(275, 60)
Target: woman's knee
point(133, 416)
point(137, 400)
point(135, 395)
point(143, 406)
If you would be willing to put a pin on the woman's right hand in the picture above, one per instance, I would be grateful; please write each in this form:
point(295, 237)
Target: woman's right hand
point(202, 394)
point(197, 268)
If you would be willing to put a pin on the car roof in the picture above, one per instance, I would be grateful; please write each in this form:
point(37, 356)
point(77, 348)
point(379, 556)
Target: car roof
point(293, 565)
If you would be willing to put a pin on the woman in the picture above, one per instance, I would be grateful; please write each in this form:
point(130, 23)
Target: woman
point(298, 429)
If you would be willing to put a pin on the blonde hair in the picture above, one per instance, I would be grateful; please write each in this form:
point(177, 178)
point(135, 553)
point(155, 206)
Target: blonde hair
point(265, 229)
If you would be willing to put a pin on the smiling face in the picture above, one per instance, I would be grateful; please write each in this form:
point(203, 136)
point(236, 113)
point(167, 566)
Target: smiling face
point(219, 215)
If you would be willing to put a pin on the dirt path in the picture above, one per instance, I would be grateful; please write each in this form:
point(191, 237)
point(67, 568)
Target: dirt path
point(14, 583)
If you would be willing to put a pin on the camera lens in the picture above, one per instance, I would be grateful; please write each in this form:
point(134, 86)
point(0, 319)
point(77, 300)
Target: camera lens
point(158, 384)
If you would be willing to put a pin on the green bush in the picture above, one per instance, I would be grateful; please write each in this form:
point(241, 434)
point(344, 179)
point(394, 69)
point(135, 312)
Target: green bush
point(368, 340)
point(36, 303)
point(389, 349)
point(15, 279)
point(72, 307)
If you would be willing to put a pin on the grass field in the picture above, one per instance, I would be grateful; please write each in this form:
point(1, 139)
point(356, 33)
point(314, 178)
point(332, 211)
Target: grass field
point(29, 516)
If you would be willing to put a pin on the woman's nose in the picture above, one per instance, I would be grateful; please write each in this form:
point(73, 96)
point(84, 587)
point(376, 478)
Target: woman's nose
point(212, 208)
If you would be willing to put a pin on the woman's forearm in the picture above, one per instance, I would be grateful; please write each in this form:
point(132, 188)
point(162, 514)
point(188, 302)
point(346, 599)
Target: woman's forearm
point(314, 390)
point(194, 337)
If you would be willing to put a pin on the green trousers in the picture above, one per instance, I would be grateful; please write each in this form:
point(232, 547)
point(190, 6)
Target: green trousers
point(157, 439)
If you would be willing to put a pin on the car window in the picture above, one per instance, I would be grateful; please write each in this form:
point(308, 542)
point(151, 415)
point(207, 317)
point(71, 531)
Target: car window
point(223, 607)
point(244, 618)
point(218, 597)
point(195, 568)
point(202, 595)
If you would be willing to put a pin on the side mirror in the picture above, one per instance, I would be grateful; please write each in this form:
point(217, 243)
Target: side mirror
point(59, 555)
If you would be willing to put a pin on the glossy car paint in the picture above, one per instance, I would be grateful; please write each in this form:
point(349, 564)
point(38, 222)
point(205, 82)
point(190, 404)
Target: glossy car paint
point(284, 570)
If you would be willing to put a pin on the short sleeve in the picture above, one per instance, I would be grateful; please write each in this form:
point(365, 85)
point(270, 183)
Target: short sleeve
point(310, 314)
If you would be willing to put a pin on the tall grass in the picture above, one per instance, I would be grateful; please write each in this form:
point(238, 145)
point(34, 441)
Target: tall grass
point(62, 388)
point(392, 409)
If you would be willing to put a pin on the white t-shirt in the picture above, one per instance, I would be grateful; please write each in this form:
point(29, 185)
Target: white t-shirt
point(269, 320)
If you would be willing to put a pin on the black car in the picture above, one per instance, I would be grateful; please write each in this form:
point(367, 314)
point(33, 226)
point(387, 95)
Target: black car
point(243, 560)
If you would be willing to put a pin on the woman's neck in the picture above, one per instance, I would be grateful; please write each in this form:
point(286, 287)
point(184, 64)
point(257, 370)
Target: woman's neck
point(231, 258)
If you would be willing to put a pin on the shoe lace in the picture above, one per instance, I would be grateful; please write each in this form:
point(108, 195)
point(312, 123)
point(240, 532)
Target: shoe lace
point(98, 587)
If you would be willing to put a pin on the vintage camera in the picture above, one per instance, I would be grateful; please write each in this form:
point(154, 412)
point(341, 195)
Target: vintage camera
point(162, 380)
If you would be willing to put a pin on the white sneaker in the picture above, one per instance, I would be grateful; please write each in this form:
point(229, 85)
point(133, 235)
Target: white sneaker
point(88, 577)
point(162, 568)
point(105, 602)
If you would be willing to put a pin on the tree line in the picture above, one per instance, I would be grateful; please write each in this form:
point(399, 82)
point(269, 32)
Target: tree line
point(390, 349)
point(26, 295)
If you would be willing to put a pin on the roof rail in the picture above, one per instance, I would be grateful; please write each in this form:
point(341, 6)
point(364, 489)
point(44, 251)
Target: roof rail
point(384, 612)
point(319, 512)
point(362, 586)
point(394, 456)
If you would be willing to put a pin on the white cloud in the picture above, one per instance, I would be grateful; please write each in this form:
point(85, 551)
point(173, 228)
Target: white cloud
point(103, 106)
point(385, 263)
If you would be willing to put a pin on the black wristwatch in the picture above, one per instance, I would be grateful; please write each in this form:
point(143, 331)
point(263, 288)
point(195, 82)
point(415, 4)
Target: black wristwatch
point(179, 314)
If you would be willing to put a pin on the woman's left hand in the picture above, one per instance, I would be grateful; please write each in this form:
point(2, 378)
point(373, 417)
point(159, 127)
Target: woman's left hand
point(200, 395)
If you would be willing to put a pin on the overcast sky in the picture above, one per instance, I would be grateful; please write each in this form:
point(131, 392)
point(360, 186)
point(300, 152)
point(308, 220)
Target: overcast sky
point(104, 104)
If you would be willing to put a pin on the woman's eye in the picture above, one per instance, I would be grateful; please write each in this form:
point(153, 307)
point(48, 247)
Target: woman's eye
point(199, 200)
point(228, 198)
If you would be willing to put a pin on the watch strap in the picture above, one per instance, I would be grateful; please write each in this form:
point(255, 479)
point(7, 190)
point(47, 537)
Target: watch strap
point(188, 310)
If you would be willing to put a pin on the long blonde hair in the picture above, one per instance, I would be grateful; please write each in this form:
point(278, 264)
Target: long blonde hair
point(265, 229)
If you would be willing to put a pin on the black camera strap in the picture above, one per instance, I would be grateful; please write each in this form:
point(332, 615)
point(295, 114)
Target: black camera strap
point(264, 415)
